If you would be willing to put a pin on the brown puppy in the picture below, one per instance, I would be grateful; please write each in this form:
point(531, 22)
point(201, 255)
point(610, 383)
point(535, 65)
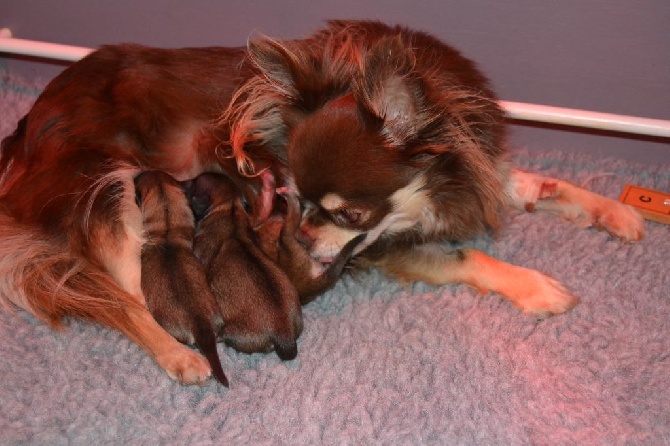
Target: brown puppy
point(173, 280)
point(277, 238)
point(259, 304)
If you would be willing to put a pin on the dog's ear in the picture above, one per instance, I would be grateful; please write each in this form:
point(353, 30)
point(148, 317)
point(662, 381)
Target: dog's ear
point(278, 64)
point(300, 75)
point(387, 88)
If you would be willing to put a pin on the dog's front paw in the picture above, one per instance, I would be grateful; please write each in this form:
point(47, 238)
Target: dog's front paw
point(621, 221)
point(185, 365)
point(542, 296)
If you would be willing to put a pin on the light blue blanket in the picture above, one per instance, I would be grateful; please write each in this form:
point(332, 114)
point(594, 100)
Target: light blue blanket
point(385, 363)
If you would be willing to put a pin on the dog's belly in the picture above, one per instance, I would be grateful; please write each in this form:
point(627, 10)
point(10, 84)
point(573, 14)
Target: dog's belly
point(145, 107)
point(186, 154)
point(66, 169)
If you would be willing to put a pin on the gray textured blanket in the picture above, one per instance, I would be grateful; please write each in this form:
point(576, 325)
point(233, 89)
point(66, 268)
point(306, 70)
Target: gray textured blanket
point(385, 363)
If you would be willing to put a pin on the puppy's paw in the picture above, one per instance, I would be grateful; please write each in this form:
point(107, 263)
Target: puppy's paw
point(185, 365)
point(620, 220)
point(542, 296)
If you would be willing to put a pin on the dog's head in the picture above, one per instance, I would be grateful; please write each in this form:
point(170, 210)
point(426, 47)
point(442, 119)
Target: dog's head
point(351, 176)
point(377, 139)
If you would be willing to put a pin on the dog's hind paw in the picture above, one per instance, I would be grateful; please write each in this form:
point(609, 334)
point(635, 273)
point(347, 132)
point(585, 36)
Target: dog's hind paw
point(526, 189)
point(534, 192)
point(620, 221)
point(185, 365)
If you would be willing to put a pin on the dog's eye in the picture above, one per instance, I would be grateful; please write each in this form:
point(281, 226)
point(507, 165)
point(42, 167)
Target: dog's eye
point(350, 215)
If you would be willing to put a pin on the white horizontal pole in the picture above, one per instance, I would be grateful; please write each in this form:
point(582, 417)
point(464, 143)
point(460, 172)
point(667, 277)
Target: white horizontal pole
point(586, 119)
point(46, 50)
point(514, 110)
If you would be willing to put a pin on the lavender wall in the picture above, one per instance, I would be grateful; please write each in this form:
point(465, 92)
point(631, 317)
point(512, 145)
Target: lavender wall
point(603, 55)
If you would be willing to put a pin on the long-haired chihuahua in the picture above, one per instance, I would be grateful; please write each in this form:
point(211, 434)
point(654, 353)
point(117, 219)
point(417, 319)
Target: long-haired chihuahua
point(379, 130)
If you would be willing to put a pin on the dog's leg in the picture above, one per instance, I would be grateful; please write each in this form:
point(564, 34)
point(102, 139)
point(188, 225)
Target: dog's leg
point(529, 290)
point(40, 275)
point(179, 361)
point(530, 192)
point(118, 247)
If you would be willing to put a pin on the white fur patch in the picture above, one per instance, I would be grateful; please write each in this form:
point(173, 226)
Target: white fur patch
point(332, 202)
point(525, 188)
point(329, 240)
point(411, 206)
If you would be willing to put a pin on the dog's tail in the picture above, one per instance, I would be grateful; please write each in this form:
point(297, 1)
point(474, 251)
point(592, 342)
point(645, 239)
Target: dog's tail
point(41, 275)
point(205, 340)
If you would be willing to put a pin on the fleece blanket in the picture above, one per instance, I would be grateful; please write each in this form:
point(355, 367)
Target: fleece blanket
point(387, 363)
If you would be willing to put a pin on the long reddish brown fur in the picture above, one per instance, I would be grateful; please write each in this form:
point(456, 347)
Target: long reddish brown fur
point(394, 121)
point(71, 231)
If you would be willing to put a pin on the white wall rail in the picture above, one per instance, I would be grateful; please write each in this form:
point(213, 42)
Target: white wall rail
point(514, 110)
point(46, 50)
point(587, 119)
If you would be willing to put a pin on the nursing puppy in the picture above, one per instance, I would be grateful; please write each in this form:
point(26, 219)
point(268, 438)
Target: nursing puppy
point(173, 280)
point(259, 304)
point(383, 130)
point(242, 252)
point(277, 238)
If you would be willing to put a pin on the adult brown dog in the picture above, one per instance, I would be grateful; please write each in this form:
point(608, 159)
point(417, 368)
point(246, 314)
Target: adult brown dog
point(383, 130)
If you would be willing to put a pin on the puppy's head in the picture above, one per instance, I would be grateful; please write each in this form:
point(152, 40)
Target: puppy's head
point(380, 138)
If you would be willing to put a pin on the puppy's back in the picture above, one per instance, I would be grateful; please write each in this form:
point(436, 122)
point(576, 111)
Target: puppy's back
point(259, 304)
point(173, 280)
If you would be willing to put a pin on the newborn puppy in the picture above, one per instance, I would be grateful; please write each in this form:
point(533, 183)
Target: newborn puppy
point(173, 279)
point(276, 228)
point(277, 237)
point(260, 306)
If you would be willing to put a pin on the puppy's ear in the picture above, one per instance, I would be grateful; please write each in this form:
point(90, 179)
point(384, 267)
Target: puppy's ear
point(387, 88)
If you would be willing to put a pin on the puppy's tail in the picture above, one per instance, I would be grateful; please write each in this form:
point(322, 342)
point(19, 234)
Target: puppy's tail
point(286, 347)
point(205, 340)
